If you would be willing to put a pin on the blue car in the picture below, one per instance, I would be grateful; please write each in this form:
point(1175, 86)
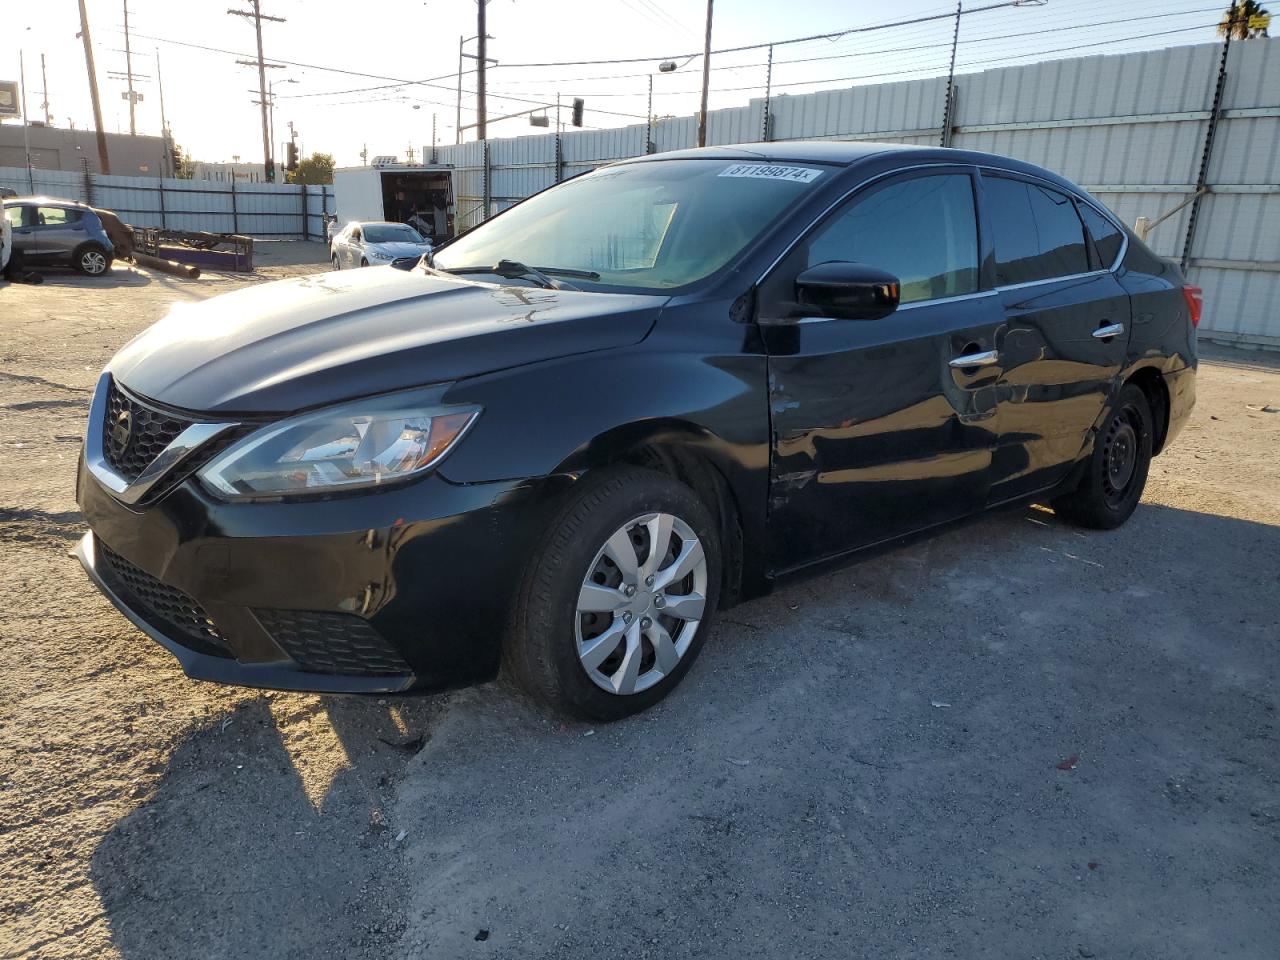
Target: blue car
point(61, 232)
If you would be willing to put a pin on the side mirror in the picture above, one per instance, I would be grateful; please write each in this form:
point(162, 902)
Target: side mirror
point(848, 291)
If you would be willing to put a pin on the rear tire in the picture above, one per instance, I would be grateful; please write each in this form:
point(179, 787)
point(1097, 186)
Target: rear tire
point(91, 260)
point(1117, 470)
point(602, 639)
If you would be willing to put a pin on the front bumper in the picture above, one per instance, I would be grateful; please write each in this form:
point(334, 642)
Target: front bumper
point(407, 588)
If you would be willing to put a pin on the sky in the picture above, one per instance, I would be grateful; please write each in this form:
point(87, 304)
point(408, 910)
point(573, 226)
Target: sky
point(345, 87)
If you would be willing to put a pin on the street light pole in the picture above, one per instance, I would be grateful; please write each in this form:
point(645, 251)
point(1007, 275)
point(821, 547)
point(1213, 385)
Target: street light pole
point(706, 80)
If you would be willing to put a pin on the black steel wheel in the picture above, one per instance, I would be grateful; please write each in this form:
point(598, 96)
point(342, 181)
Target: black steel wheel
point(1117, 470)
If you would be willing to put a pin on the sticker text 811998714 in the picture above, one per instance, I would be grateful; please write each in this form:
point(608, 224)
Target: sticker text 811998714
point(765, 171)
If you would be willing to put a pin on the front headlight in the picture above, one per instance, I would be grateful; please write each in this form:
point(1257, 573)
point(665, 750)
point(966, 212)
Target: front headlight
point(364, 444)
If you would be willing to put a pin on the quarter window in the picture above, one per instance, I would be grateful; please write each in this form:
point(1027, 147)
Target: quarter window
point(1107, 237)
point(1037, 232)
point(14, 215)
point(920, 229)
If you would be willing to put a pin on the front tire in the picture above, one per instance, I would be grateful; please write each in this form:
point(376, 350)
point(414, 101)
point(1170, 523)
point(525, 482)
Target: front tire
point(618, 601)
point(1117, 471)
point(364, 262)
point(91, 260)
point(337, 265)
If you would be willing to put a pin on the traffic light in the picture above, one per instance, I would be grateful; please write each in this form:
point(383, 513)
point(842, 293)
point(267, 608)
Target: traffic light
point(271, 170)
point(578, 104)
point(291, 157)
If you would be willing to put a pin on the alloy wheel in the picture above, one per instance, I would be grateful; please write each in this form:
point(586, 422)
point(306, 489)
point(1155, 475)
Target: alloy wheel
point(641, 602)
point(93, 262)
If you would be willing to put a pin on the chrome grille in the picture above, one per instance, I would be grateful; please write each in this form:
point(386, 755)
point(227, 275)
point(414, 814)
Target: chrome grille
point(149, 432)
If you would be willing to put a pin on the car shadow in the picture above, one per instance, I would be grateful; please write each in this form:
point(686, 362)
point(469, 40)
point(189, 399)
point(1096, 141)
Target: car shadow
point(120, 275)
point(268, 834)
point(1073, 732)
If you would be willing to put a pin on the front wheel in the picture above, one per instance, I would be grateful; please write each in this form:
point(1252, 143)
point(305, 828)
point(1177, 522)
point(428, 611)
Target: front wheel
point(364, 262)
point(619, 598)
point(91, 260)
point(1117, 471)
point(336, 264)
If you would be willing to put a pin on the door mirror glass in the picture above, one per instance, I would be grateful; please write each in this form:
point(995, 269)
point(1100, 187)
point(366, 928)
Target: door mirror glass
point(847, 291)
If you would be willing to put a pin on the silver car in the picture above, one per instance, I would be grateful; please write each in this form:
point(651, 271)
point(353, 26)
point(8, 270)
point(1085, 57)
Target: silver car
point(62, 232)
point(370, 243)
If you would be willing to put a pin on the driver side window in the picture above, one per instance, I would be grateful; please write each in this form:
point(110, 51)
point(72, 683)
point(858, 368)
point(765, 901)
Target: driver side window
point(921, 229)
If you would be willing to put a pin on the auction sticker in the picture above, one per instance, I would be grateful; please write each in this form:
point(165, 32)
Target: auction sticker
point(765, 171)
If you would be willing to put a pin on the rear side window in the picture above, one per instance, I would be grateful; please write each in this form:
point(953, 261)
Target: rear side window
point(57, 216)
point(14, 215)
point(921, 229)
point(1037, 233)
point(1107, 237)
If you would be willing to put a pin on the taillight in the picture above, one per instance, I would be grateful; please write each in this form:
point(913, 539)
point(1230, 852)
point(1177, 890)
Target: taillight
point(1195, 302)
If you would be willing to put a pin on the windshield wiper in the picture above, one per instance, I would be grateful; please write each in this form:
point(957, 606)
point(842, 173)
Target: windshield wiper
point(511, 269)
point(566, 272)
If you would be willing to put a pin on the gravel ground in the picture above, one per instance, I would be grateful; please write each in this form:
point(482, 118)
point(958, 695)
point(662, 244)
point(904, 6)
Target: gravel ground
point(1014, 740)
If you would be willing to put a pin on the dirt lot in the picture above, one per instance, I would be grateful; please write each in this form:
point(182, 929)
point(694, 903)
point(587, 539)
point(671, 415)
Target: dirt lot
point(1016, 740)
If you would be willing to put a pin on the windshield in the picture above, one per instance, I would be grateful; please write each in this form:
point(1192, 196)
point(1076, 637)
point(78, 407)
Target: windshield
point(391, 233)
point(652, 225)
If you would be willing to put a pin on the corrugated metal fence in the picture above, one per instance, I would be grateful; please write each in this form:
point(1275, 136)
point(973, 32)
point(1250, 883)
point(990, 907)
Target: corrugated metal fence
point(1130, 128)
point(251, 209)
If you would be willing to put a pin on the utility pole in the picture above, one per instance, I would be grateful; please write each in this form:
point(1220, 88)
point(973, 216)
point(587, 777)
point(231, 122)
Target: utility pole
point(44, 79)
point(258, 16)
point(128, 72)
point(457, 126)
point(434, 158)
point(945, 140)
point(103, 160)
point(164, 123)
point(768, 90)
point(26, 135)
point(648, 120)
point(706, 81)
point(480, 68)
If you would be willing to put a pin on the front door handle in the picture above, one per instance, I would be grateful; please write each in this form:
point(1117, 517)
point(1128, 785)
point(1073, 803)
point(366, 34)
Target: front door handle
point(1109, 331)
point(984, 359)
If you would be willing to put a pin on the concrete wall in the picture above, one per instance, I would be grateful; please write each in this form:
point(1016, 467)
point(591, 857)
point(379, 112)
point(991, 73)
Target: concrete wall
point(57, 148)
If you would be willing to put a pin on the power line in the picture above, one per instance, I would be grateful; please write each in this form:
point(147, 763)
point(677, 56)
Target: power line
point(869, 53)
point(913, 21)
point(971, 63)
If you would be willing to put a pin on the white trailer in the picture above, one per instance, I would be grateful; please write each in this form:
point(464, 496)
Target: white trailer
point(399, 193)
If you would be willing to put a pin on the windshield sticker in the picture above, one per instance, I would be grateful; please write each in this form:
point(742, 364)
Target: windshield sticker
point(764, 171)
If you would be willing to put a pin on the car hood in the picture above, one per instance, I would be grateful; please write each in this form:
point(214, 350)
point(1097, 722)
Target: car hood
point(398, 248)
point(329, 337)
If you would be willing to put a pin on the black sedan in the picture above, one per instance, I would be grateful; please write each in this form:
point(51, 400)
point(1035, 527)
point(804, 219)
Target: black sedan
point(560, 444)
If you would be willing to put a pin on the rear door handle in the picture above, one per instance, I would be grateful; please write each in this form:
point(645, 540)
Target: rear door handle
point(984, 359)
point(1109, 331)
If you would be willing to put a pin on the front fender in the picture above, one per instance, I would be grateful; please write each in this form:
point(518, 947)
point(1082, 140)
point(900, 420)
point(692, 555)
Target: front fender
point(565, 417)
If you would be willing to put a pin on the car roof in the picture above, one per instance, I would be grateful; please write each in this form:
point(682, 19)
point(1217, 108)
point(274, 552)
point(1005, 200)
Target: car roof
point(847, 153)
point(48, 202)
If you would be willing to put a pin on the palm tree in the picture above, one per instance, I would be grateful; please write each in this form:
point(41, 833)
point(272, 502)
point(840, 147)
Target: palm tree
point(1250, 21)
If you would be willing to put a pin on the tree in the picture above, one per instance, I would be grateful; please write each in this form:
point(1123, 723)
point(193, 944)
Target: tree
point(1251, 20)
point(317, 168)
